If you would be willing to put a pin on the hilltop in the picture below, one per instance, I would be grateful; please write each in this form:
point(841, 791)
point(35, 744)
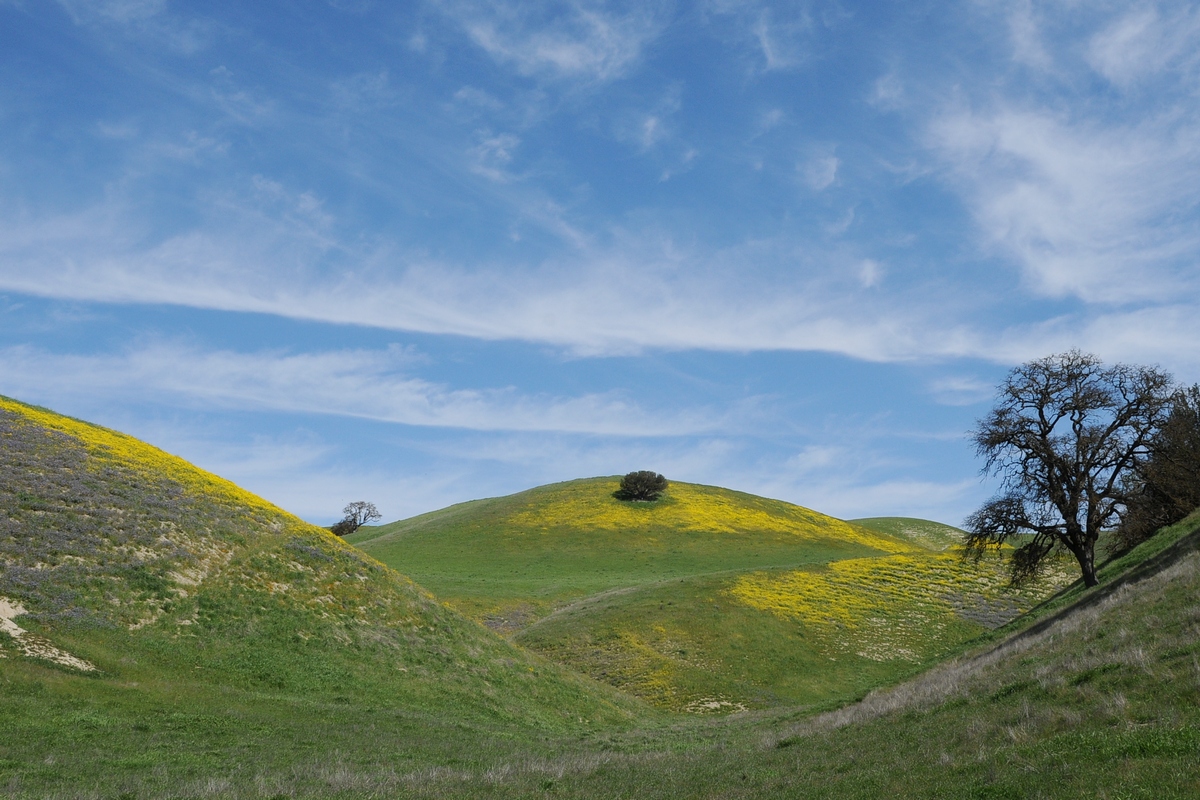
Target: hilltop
point(707, 599)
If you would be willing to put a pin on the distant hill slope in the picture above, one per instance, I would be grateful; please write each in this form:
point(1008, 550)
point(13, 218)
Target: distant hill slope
point(510, 560)
point(137, 563)
point(923, 532)
point(708, 599)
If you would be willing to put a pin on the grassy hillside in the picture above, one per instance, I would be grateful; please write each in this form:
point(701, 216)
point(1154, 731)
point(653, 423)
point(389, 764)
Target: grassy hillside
point(238, 653)
point(926, 533)
point(174, 595)
point(511, 560)
point(707, 600)
point(1103, 703)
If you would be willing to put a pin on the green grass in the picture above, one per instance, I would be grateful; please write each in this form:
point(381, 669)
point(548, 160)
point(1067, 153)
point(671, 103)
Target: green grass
point(706, 600)
point(188, 594)
point(308, 670)
point(1107, 705)
point(509, 561)
point(687, 645)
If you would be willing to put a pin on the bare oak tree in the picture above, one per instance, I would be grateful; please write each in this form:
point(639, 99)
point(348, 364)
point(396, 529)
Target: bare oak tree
point(358, 513)
point(1064, 435)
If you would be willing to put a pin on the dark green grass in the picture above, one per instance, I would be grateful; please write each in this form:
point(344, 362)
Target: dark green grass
point(150, 735)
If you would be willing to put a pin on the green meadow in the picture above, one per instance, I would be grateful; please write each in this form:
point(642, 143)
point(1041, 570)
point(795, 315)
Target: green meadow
point(181, 638)
point(706, 600)
point(511, 560)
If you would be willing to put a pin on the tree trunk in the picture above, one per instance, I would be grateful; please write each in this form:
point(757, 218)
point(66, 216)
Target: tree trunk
point(1087, 565)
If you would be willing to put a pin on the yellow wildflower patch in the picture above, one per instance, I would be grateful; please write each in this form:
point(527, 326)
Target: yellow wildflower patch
point(694, 508)
point(143, 458)
point(882, 606)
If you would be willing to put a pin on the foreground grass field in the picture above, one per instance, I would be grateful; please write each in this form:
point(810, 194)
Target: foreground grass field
point(1105, 703)
point(707, 600)
point(238, 652)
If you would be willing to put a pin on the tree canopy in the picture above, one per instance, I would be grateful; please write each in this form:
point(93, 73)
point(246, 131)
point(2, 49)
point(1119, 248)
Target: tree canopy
point(358, 513)
point(643, 485)
point(1064, 436)
point(1165, 487)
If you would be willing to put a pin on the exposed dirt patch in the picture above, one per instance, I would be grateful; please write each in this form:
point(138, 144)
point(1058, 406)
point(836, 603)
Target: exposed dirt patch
point(36, 646)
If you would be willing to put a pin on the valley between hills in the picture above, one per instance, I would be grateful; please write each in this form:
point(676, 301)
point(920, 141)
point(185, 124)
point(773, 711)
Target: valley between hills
point(166, 634)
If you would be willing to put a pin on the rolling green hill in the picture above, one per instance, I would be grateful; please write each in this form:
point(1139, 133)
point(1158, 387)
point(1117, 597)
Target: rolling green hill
point(706, 600)
point(164, 634)
point(169, 591)
point(1101, 701)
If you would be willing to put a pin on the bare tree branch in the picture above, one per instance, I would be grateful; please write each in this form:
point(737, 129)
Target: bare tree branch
point(1065, 434)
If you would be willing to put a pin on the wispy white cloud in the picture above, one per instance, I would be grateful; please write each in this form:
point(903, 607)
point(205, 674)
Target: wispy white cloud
point(365, 91)
point(820, 172)
point(152, 20)
point(1025, 30)
point(1160, 334)
point(780, 35)
point(778, 41)
point(277, 252)
point(118, 10)
point(948, 502)
point(492, 155)
point(815, 457)
point(961, 390)
point(887, 92)
point(1092, 210)
point(354, 383)
point(854, 479)
point(870, 273)
point(1063, 201)
point(478, 98)
point(1143, 43)
point(1087, 209)
point(305, 475)
point(577, 39)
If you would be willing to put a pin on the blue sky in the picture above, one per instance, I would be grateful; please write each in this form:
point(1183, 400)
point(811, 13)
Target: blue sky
point(426, 252)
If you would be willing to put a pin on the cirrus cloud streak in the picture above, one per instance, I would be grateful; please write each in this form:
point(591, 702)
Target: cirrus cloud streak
point(352, 383)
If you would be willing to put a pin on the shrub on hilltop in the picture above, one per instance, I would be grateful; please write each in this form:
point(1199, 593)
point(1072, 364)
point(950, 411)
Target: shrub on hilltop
point(644, 485)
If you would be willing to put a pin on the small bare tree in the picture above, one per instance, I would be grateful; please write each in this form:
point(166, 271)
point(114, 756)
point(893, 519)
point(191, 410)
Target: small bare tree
point(358, 513)
point(1064, 435)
